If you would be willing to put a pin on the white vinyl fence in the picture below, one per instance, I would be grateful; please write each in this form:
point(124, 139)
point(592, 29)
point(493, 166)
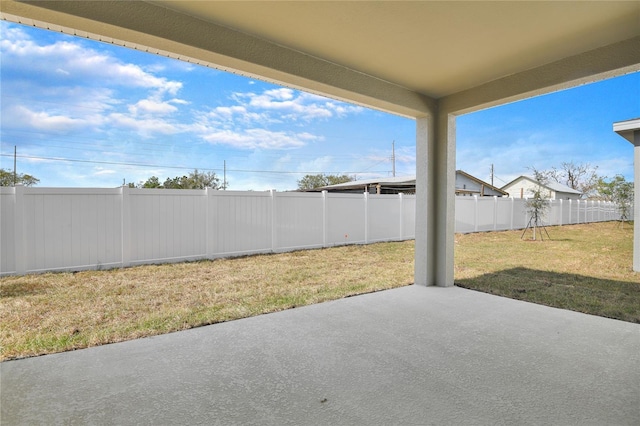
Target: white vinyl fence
point(478, 214)
point(49, 229)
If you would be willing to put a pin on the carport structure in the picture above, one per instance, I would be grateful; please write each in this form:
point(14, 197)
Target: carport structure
point(430, 61)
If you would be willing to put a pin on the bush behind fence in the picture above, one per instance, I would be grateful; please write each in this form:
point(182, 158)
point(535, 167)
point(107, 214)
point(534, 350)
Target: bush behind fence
point(49, 229)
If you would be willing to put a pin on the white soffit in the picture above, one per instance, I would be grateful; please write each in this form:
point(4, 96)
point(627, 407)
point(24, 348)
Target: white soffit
point(627, 128)
point(436, 48)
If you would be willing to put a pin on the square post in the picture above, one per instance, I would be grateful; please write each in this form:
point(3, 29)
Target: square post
point(435, 199)
point(630, 130)
point(636, 203)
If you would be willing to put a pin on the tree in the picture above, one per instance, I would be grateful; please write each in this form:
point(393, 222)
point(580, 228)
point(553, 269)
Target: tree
point(538, 204)
point(195, 180)
point(320, 180)
point(7, 178)
point(152, 182)
point(618, 191)
point(581, 177)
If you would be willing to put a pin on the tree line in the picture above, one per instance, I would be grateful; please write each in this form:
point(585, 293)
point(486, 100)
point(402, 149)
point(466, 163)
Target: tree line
point(194, 180)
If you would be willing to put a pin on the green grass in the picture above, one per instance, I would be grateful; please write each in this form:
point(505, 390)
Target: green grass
point(586, 268)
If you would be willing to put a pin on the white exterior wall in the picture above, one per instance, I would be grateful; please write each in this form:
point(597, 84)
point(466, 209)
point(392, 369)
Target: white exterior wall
point(465, 184)
point(523, 188)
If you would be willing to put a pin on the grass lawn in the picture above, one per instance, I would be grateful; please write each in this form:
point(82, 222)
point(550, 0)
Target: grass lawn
point(586, 268)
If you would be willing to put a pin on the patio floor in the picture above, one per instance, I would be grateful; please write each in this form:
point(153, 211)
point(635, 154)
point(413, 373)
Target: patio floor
point(412, 355)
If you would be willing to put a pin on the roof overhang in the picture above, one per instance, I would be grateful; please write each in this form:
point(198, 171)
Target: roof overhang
point(627, 129)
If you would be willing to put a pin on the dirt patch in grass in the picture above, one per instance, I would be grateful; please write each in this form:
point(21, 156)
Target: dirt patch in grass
point(586, 268)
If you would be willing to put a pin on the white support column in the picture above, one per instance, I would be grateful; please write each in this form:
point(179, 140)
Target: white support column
point(630, 130)
point(636, 202)
point(435, 202)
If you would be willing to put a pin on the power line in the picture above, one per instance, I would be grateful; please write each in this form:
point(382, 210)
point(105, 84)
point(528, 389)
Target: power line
point(116, 163)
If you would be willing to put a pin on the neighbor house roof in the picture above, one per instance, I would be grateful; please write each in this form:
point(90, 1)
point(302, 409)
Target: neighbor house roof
point(404, 183)
point(480, 182)
point(394, 184)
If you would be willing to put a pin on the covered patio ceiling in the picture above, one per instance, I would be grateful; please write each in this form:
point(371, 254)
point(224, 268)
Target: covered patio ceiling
point(394, 56)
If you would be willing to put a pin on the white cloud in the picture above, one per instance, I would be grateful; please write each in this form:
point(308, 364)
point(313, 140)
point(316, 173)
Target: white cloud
point(292, 105)
point(149, 106)
point(321, 163)
point(72, 60)
point(230, 113)
point(258, 139)
point(144, 127)
point(20, 116)
point(99, 171)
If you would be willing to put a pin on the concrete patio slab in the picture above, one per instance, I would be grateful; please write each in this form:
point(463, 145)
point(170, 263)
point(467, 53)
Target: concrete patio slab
point(413, 355)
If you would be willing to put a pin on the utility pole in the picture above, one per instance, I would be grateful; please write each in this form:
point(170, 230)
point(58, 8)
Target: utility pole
point(224, 176)
point(393, 157)
point(492, 175)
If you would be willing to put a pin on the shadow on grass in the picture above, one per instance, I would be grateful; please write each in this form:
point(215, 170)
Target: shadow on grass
point(21, 289)
point(606, 298)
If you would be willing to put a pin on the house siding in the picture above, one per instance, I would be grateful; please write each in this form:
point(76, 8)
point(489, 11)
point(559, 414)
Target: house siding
point(523, 188)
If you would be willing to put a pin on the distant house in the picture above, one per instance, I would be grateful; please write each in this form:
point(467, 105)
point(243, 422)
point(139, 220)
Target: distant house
point(465, 185)
point(523, 186)
point(471, 185)
point(390, 185)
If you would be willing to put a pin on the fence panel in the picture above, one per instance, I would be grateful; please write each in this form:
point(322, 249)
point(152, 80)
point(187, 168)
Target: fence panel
point(465, 215)
point(520, 216)
point(167, 224)
point(408, 218)
point(345, 219)
point(504, 213)
point(384, 217)
point(241, 222)
point(71, 228)
point(299, 220)
point(485, 213)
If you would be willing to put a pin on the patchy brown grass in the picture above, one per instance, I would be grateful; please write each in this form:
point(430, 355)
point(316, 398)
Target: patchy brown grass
point(586, 268)
point(55, 312)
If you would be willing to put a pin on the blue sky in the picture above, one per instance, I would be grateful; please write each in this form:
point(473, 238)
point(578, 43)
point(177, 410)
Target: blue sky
point(89, 114)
